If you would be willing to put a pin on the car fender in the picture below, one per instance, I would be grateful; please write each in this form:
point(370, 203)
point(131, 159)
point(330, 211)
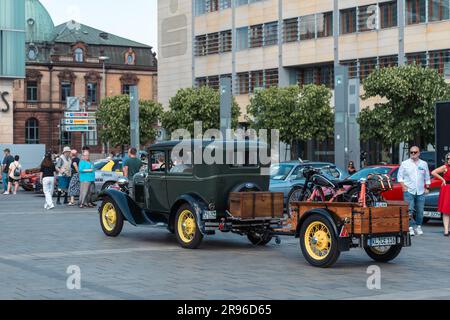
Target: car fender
point(327, 214)
point(130, 210)
point(196, 202)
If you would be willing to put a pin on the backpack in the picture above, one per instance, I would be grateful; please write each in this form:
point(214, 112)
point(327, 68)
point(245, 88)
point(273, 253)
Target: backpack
point(17, 171)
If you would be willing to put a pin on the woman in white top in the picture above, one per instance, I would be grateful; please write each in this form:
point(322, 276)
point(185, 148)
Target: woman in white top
point(15, 170)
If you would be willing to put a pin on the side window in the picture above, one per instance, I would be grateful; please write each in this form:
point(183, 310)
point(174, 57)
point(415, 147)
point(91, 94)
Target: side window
point(157, 161)
point(297, 174)
point(181, 164)
point(117, 166)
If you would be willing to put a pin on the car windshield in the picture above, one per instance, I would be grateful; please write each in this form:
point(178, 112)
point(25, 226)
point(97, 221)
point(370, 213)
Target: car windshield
point(364, 173)
point(280, 171)
point(100, 164)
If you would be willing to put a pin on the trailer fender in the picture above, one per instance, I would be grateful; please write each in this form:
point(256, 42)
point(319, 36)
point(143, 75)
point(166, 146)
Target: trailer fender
point(129, 209)
point(327, 214)
point(196, 202)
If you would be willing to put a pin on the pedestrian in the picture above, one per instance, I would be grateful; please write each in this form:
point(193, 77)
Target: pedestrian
point(15, 171)
point(414, 177)
point(48, 178)
point(74, 186)
point(132, 165)
point(7, 160)
point(63, 166)
point(443, 173)
point(351, 168)
point(87, 178)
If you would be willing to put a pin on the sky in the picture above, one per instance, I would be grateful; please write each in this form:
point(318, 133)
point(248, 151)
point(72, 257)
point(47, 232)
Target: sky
point(132, 19)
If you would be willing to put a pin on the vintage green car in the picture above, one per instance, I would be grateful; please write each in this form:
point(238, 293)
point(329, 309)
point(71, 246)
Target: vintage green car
point(191, 199)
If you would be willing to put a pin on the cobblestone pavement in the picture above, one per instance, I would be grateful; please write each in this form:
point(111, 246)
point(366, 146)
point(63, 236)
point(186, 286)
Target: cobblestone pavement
point(37, 247)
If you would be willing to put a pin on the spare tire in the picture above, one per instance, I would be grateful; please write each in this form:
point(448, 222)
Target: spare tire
point(247, 187)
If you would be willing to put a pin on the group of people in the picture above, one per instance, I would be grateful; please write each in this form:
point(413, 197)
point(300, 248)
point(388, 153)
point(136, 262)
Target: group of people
point(415, 179)
point(74, 177)
point(11, 172)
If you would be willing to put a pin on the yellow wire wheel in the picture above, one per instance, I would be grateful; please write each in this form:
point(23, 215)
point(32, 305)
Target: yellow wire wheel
point(111, 218)
point(186, 226)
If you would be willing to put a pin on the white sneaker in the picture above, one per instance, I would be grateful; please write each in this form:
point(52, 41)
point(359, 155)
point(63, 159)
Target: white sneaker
point(411, 232)
point(6, 193)
point(45, 206)
point(51, 207)
point(419, 231)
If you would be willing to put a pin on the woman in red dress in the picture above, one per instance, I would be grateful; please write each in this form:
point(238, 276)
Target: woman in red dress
point(443, 173)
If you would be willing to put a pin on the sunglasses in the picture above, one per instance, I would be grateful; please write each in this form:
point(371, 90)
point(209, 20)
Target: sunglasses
point(414, 152)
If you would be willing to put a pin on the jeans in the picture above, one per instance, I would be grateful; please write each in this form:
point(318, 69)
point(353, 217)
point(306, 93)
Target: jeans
point(5, 181)
point(48, 185)
point(416, 205)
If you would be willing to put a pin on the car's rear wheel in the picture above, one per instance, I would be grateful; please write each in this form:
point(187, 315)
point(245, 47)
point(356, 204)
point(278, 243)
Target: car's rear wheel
point(111, 218)
point(187, 230)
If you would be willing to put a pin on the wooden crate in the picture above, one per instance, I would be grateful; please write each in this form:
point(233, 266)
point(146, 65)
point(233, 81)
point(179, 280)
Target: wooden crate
point(256, 205)
point(394, 218)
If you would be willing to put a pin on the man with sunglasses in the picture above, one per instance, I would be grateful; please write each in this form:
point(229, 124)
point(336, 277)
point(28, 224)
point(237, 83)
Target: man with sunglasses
point(414, 176)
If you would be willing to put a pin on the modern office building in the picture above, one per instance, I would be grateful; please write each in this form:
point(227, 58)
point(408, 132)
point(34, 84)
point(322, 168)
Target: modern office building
point(261, 43)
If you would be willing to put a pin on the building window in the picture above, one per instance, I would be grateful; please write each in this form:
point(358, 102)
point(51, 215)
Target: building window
point(79, 55)
point(256, 36)
point(418, 58)
point(366, 66)
point(91, 93)
point(352, 68)
point(367, 18)
point(324, 24)
point(212, 43)
point(348, 21)
point(388, 14)
point(130, 57)
point(126, 89)
point(225, 40)
point(271, 34)
point(271, 78)
point(200, 45)
point(440, 60)
point(307, 27)
point(224, 4)
point(256, 80)
point(242, 38)
point(201, 82)
point(32, 53)
point(415, 11)
point(91, 138)
point(66, 90)
point(32, 131)
point(213, 5)
point(290, 31)
point(243, 82)
point(66, 138)
point(438, 10)
point(32, 91)
point(388, 61)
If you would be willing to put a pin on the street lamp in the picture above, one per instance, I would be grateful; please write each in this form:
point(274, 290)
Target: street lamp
point(103, 59)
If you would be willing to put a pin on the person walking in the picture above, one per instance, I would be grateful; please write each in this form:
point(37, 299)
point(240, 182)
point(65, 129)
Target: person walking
point(443, 173)
point(63, 166)
point(7, 160)
point(414, 177)
point(87, 178)
point(48, 177)
point(74, 186)
point(15, 171)
point(351, 168)
point(131, 166)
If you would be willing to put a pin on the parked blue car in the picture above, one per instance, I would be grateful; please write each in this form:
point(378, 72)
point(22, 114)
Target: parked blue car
point(287, 177)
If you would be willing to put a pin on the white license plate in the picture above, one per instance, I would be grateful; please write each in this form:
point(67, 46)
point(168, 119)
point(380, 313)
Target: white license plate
point(209, 215)
point(380, 204)
point(432, 214)
point(382, 241)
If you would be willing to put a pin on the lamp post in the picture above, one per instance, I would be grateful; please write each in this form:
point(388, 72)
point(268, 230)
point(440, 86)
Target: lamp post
point(103, 59)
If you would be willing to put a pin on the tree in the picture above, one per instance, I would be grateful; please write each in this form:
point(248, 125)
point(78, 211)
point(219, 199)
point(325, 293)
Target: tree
point(113, 118)
point(299, 113)
point(196, 104)
point(407, 112)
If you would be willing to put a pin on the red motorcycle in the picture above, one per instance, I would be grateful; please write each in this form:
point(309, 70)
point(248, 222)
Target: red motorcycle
point(30, 179)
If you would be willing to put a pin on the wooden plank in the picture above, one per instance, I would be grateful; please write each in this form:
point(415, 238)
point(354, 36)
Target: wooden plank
point(253, 205)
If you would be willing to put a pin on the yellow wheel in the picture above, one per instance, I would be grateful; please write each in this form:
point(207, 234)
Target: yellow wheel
point(186, 228)
point(318, 242)
point(111, 218)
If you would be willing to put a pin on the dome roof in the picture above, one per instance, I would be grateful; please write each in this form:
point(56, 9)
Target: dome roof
point(38, 23)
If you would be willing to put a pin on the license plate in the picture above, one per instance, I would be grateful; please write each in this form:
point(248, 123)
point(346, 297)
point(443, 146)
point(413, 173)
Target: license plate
point(380, 205)
point(432, 214)
point(209, 215)
point(382, 241)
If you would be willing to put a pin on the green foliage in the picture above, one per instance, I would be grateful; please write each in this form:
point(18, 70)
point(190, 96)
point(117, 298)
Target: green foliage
point(196, 104)
point(408, 114)
point(113, 117)
point(300, 113)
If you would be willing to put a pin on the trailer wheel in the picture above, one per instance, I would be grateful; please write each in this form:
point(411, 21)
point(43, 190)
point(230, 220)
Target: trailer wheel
point(318, 242)
point(259, 239)
point(383, 254)
point(187, 230)
point(111, 218)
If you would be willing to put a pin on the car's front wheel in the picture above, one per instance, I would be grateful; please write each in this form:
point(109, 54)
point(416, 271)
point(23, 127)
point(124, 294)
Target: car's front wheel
point(111, 218)
point(187, 230)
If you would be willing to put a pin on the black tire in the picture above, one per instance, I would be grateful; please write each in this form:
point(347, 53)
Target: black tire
point(182, 237)
point(352, 195)
point(386, 256)
point(289, 200)
point(258, 239)
point(333, 252)
point(110, 228)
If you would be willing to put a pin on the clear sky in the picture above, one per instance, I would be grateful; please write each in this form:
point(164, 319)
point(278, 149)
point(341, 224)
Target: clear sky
point(132, 19)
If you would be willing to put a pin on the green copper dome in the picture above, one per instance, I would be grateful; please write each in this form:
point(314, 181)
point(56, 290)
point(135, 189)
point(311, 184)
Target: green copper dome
point(38, 23)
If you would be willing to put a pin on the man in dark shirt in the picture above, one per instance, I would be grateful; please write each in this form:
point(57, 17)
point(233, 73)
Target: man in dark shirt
point(7, 160)
point(132, 165)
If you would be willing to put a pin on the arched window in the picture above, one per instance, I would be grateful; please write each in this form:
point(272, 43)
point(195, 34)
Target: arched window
point(32, 131)
point(79, 55)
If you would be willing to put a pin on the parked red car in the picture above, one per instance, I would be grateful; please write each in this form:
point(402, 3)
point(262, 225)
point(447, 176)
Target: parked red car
point(392, 170)
point(29, 179)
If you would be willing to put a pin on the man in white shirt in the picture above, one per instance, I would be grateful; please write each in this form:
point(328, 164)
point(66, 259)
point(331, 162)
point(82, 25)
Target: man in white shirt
point(414, 176)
